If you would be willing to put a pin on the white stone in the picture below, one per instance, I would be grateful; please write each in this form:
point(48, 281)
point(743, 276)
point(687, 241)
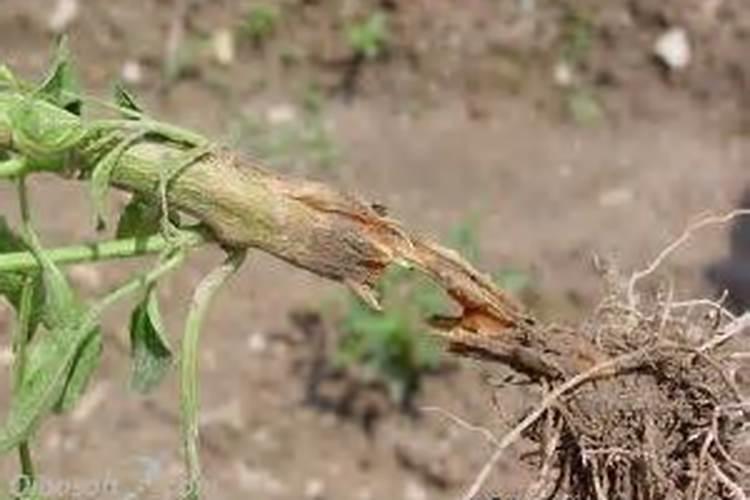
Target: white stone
point(257, 343)
point(223, 45)
point(63, 15)
point(414, 491)
point(314, 489)
point(132, 72)
point(281, 114)
point(563, 74)
point(673, 48)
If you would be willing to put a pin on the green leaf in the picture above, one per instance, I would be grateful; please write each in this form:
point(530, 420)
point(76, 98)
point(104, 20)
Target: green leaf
point(141, 218)
point(86, 362)
point(61, 87)
point(12, 283)
point(51, 359)
point(64, 314)
point(43, 132)
point(61, 307)
point(126, 101)
point(59, 363)
point(152, 355)
point(11, 287)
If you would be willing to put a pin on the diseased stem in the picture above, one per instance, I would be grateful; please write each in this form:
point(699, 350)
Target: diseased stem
point(315, 227)
point(99, 251)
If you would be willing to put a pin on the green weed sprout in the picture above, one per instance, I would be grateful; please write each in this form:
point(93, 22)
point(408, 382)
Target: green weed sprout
point(261, 22)
point(392, 346)
point(368, 39)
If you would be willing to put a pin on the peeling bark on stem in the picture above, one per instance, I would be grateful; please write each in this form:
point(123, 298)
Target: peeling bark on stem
point(341, 237)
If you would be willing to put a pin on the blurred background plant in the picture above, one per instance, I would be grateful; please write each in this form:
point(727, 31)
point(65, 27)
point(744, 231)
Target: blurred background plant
point(369, 39)
point(260, 23)
point(393, 346)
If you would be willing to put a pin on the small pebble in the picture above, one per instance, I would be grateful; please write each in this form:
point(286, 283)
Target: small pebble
point(223, 45)
point(63, 15)
point(281, 114)
point(132, 72)
point(414, 491)
point(673, 48)
point(314, 489)
point(563, 74)
point(257, 343)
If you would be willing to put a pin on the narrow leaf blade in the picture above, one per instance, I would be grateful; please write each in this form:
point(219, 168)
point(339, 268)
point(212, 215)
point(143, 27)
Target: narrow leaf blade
point(61, 86)
point(151, 352)
point(86, 362)
point(140, 218)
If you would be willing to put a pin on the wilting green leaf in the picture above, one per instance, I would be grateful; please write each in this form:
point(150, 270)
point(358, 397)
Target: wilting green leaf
point(86, 362)
point(126, 100)
point(59, 362)
point(140, 218)
point(61, 307)
point(51, 359)
point(12, 283)
point(152, 355)
point(44, 133)
point(61, 86)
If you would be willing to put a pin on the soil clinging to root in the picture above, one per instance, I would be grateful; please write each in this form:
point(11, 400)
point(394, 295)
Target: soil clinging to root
point(659, 415)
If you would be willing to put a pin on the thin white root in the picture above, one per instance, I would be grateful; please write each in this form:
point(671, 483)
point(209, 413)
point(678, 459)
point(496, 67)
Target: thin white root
point(734, 328)
point(602, 369)
point(737, 492)
point(488, 435)
point(666, 252)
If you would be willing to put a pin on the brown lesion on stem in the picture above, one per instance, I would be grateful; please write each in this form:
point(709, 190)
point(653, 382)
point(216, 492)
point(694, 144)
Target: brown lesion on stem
point(342, 237)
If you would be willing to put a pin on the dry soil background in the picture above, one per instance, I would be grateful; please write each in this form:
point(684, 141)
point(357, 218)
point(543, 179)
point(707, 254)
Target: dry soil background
point(461, 116)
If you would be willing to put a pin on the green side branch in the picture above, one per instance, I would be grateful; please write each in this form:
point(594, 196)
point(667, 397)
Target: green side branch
point(155, 160)
point(100, 251)
point(189, 397)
